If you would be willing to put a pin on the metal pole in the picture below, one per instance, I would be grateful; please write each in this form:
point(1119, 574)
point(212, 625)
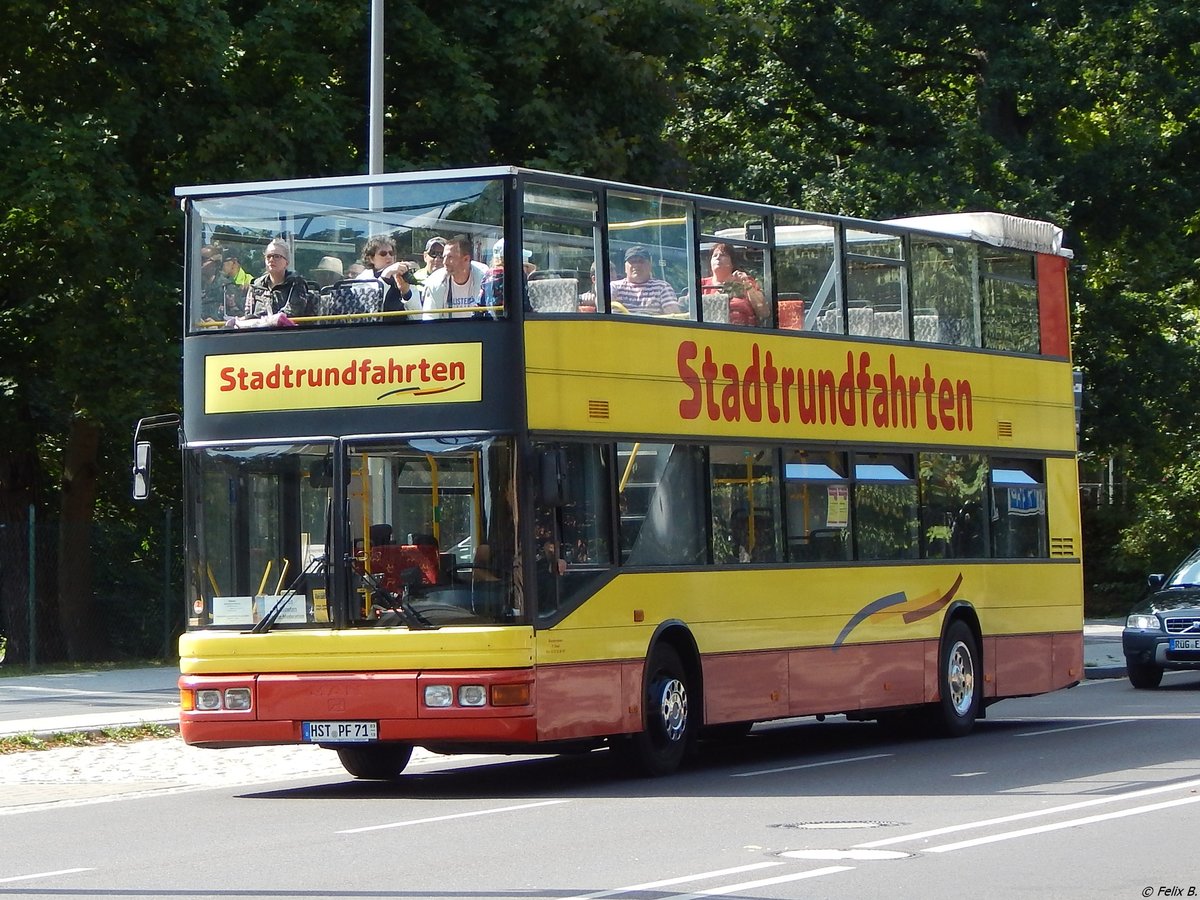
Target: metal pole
point(167, 585)
point(32, 587)
point(375, 142)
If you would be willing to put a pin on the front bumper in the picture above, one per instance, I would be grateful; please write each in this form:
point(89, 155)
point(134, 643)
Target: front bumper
point(1153, 648)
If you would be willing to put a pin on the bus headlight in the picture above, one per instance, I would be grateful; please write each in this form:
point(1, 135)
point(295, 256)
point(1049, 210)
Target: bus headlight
point(208, 700)
point(439, 695)
point(472, 695)
point(237, 698)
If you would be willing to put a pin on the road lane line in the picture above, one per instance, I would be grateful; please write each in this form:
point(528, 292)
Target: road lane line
point(1058, 826)
point(1017, 817)
point(465, 815)
point(765, 882)
point(816, 765)
point(13, 878)
point(1047, 719)
point(683, 879)
point(1073, 728)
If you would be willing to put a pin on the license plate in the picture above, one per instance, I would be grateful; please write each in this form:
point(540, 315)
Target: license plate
point(1185, 643)
point(340, 732)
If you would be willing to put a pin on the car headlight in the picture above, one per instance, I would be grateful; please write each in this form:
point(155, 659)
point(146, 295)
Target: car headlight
point(1143, 621)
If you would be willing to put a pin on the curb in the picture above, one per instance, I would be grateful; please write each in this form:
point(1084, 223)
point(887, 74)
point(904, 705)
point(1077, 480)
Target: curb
point(1092, 673)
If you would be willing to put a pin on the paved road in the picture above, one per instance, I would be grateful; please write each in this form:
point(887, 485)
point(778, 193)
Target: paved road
point(1041, 801)
point(84, 701)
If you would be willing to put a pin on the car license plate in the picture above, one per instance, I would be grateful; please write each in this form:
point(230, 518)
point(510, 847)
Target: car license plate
point(1185, 643)
point(340, 732)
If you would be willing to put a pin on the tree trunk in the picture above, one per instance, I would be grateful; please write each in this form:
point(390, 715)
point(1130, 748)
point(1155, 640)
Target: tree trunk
point(76, 601)
point(19, 473)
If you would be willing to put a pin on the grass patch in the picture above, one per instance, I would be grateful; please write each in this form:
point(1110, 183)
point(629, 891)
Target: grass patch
point(21, 742)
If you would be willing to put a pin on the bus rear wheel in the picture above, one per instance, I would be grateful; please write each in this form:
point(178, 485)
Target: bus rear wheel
point(670, 730)
point(377, 762)
point(960, 683)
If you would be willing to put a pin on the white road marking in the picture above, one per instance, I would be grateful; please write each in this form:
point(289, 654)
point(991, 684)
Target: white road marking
point(1073, 728)
point(764, 882)
point(44, 875)
point(1017, 817)
point(1047, 719)
point(1058, 826)
point(816, 765)
point(683, 879)
point(80, 692)
point(465, 815)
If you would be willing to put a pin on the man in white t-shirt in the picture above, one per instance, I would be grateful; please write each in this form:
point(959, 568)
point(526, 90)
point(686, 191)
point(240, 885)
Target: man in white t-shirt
point(458, 283)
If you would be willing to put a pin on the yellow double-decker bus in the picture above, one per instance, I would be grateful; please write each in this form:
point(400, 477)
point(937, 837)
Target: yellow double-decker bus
point(694, 464)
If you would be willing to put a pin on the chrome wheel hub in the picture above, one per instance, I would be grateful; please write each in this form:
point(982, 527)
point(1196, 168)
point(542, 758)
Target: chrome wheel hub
point(960, 678)
point(673, 708)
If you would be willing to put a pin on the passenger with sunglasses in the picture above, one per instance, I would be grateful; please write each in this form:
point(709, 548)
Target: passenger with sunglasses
point(379, 257)
point(435, 249)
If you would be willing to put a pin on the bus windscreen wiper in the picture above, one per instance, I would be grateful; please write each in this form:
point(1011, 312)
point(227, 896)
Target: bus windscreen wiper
point(263, 625)
point(399, 603)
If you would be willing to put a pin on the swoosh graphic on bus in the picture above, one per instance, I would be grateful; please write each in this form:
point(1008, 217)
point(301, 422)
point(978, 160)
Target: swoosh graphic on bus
point(419, 392)
point(925, 611)
point(867, 611)
point(890, 600)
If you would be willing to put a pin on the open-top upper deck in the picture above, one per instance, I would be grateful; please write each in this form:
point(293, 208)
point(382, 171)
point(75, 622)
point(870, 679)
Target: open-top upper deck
point(316, 335)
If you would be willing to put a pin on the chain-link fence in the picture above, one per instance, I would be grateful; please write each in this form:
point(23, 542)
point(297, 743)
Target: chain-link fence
point(105, 591)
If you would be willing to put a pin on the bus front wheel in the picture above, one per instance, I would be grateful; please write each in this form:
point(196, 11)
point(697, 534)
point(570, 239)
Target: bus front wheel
point(670, 729)
point(377, 762)
point(960, 682)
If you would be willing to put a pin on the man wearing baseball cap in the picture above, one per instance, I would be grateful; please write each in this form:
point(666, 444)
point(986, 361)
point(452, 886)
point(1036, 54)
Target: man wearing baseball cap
point(639, 292)
point(435, 249)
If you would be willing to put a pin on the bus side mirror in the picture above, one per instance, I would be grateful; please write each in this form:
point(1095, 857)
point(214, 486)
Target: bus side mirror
point(141, 470)
point(552, 477)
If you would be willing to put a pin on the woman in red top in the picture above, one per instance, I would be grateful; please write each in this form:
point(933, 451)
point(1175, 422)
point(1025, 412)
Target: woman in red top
point(747, 303)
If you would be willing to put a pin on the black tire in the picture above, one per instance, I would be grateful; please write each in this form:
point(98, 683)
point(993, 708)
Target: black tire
point(1144, 676)
point(960, 681)
point(670, 728)
point(377, 762)
point(730, 731)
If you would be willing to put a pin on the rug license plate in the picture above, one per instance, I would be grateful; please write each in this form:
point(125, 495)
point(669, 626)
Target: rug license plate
point(1185, 643)
point(340, 732)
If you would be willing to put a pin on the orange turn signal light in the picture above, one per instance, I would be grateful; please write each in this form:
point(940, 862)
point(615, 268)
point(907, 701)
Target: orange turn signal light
point(510, 694)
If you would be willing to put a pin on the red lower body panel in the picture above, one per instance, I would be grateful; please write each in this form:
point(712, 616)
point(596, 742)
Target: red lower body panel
point(587, 700)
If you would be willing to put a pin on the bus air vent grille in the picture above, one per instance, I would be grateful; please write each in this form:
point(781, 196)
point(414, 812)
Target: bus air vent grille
point(1004, 429)
point(597, 409)
point(1062, 546)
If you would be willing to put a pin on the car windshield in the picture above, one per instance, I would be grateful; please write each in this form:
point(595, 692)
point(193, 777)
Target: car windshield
point(1188, 573)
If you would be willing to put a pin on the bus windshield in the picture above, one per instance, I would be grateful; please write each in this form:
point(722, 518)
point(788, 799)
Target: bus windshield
point(426, 521)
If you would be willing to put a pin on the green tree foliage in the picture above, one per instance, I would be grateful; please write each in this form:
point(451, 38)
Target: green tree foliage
point(1083, 114)
point(107, 108)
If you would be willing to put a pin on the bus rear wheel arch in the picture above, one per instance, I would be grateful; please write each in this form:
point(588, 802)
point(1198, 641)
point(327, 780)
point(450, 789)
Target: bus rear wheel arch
point(671, 711)
point(960, 680)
